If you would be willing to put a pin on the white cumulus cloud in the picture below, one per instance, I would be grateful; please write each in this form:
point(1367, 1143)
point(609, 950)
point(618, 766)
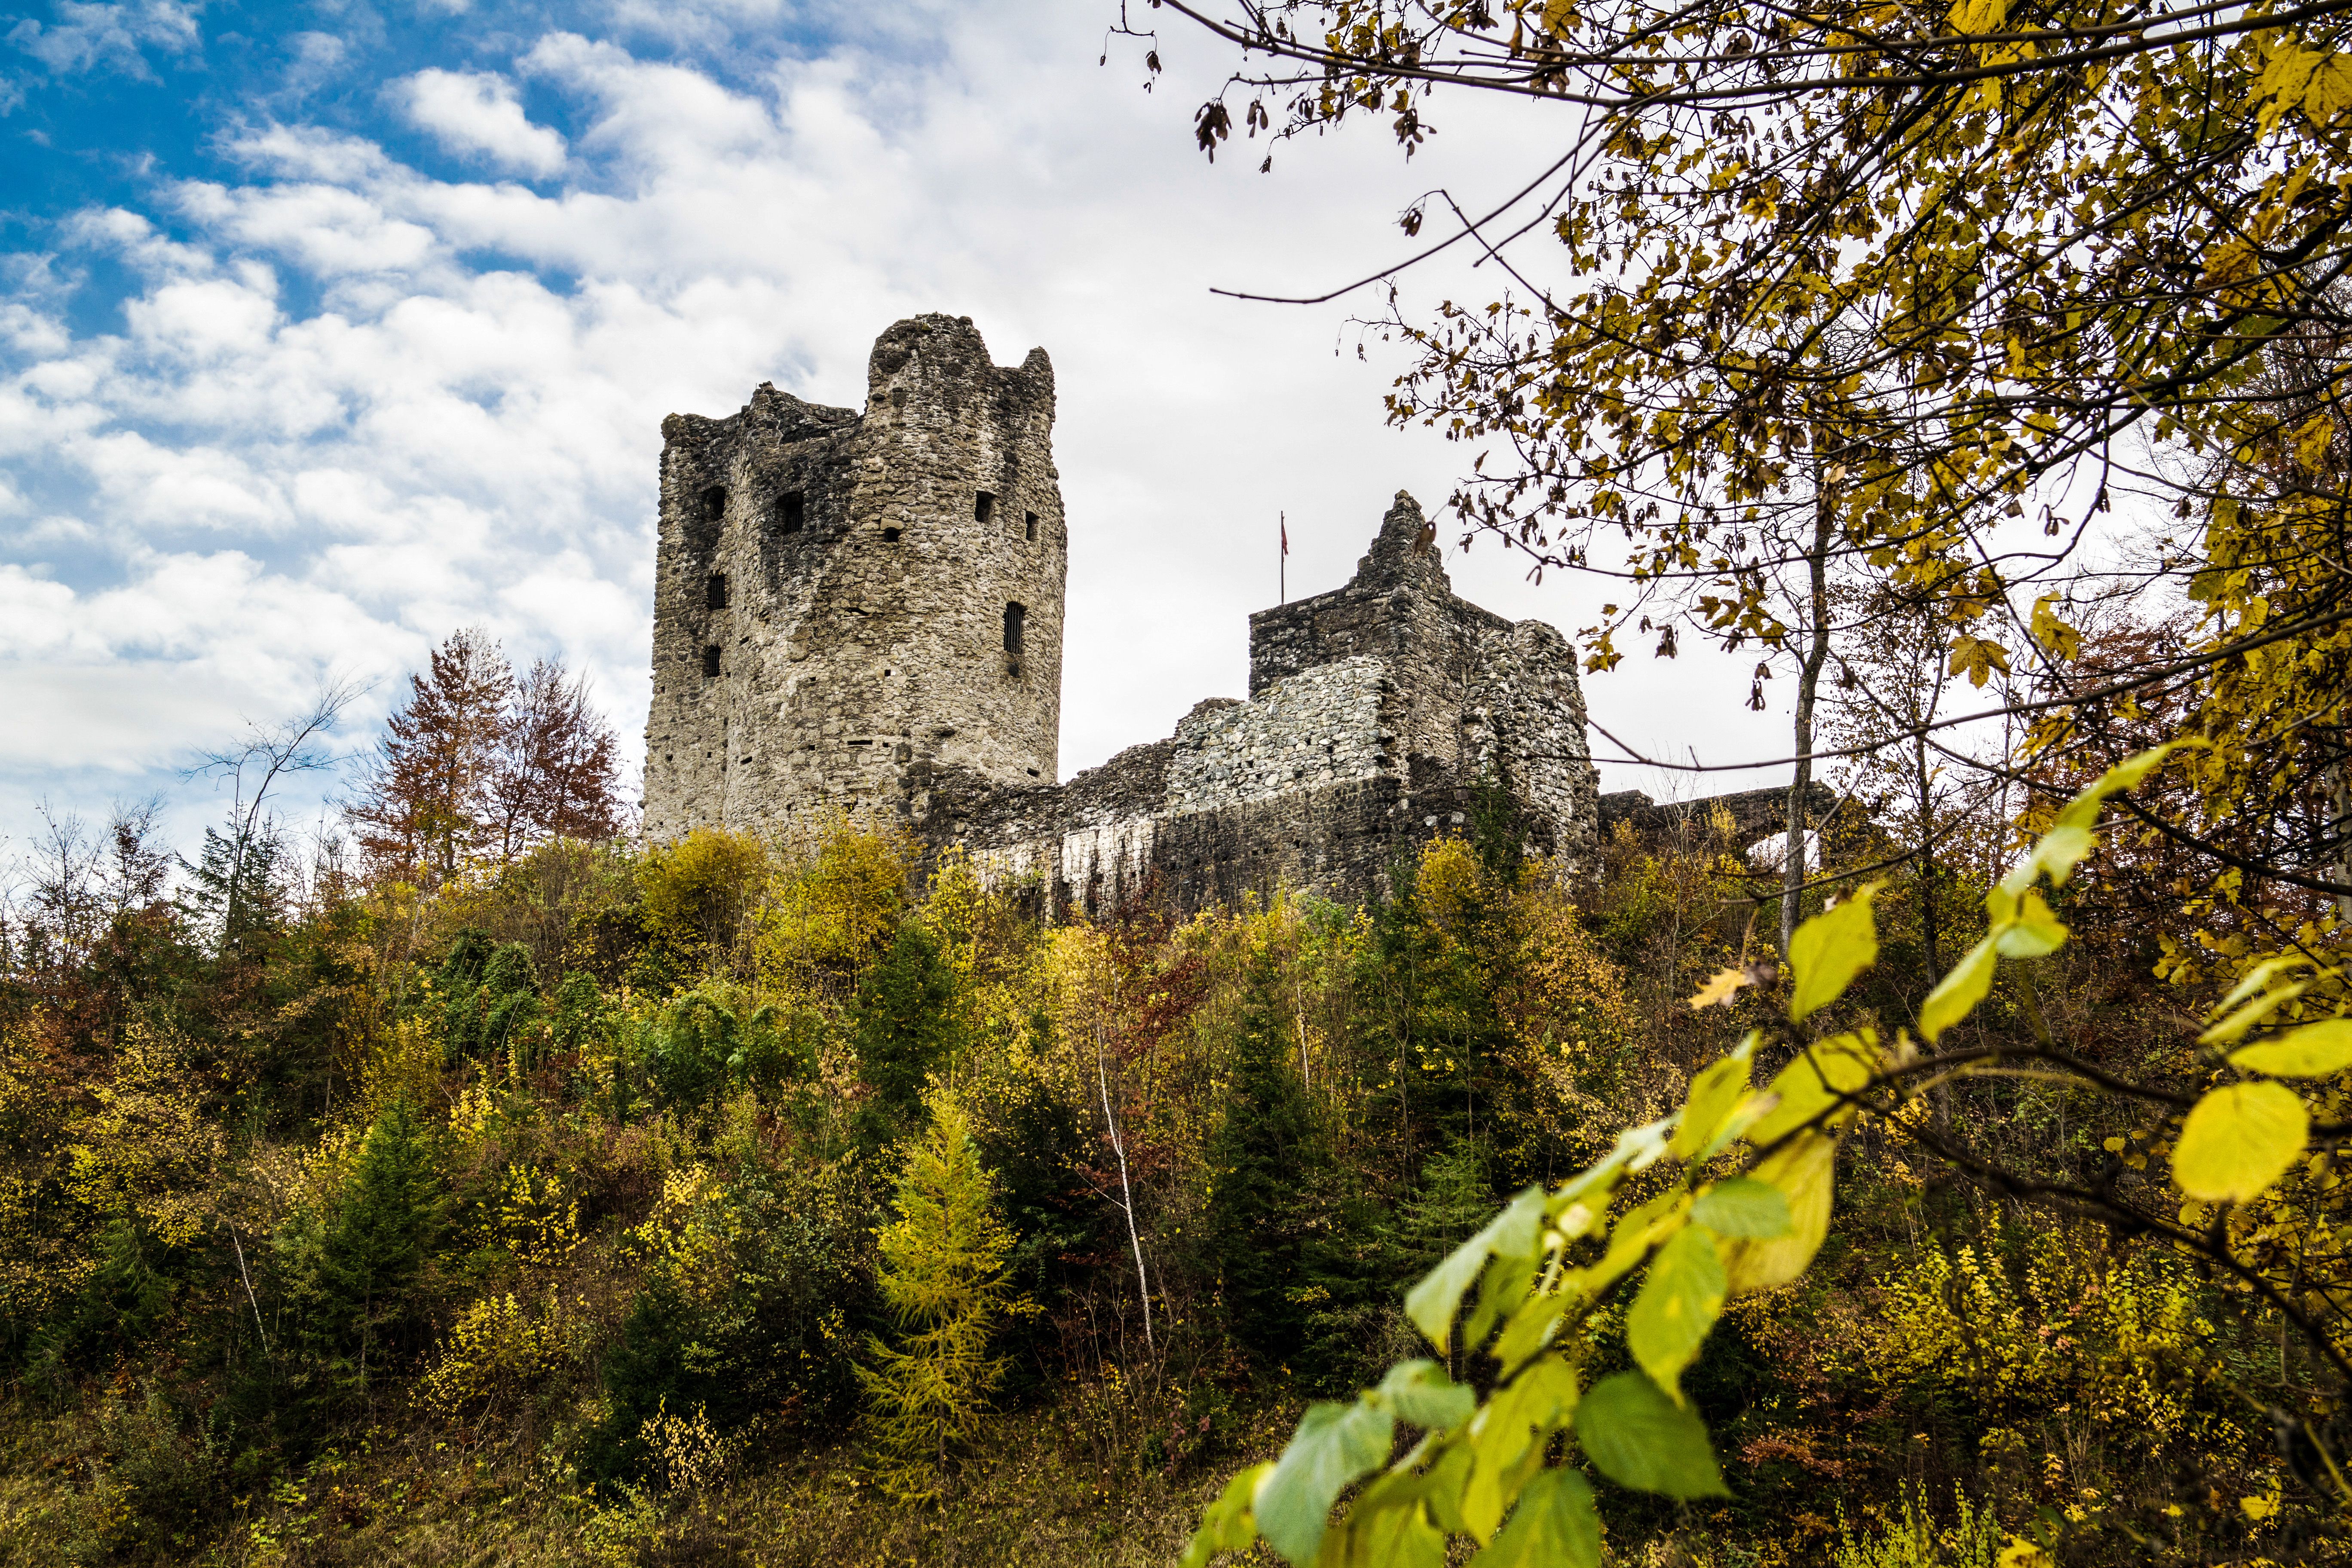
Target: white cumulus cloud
point(479, 113)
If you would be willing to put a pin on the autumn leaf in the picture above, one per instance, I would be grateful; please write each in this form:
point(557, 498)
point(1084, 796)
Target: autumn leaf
point(1725, 985)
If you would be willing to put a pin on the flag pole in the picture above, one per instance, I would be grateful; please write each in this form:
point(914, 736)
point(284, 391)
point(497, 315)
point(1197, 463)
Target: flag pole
point(1282, 562)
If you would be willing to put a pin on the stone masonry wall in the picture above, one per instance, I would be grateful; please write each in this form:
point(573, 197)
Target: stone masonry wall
point(834, 629)
point(1377, 713)
point(850, 576)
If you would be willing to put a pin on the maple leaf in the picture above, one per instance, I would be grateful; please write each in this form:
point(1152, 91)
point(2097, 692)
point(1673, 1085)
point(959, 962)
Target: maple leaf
point(1723, 987)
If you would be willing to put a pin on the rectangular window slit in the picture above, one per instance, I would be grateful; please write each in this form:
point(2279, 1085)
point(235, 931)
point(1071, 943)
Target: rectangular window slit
point(792, 511)
point(1013, 616)
point(1029, 526)
point(715, 590)
point(983, 507)
point(710, 658)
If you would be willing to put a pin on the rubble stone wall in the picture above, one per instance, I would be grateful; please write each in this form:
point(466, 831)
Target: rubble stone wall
point(850, 576)
point(832, 630)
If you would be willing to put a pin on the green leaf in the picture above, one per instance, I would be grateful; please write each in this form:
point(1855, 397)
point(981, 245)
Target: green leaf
point(1743, 1206)
point(1228, 1525)
point(1679, 1302)
point(2054, 855)
point(1334, 1445)
point(1715, 1094)
point(1386, 1527)
point(1532, 1405)
point(1643, 1440)
point(1829, 951)
point(1431, 1303)
point(2315, 1050)
point(1555, 1526)
point(1638, 1230)
point(1814, 1083)
point(2030, 931)
point(1804, 1171)
point(2239, 1140)
point(1957, 995)
point(2083, 811)
point(1420, 1392)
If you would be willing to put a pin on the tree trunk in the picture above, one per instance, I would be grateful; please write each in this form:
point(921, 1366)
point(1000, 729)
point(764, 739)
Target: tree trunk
point(2339, 799)
point(1126, 1192)
point(1809, 680)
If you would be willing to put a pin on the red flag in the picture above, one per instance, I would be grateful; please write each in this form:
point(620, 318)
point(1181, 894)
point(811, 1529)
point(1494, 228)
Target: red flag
point(1286, 534)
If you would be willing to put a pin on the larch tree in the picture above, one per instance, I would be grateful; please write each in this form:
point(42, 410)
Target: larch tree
point(476, 762)
point(943, 1280)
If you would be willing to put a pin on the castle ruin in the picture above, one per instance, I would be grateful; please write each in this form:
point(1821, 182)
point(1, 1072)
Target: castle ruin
point(864, 610)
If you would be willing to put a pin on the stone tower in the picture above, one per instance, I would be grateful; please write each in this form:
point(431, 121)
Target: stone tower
point(847, 605)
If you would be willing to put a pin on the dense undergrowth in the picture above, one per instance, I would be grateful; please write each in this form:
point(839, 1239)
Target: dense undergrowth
point(572, 1210)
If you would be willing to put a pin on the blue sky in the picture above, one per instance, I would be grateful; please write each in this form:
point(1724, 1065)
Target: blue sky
point(328, 329)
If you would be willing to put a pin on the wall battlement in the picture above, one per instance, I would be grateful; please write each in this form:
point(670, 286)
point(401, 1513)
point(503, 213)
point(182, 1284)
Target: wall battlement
point(886, 638)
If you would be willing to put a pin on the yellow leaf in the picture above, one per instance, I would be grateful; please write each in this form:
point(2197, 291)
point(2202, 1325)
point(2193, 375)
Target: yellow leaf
point(1978, 658)
point(2311, 442)
point(1979, 16)
point(2238, 1140)
point(1828, 950)
point(2229, 1031)
point(1804, 1172)
point(1725, 985)
point(2315, 1050)
point(1964, 985)
point(2282, 83)
point(2329, 93)
point(1828, 1071)
point(2052, 633)
point(1715, 1094)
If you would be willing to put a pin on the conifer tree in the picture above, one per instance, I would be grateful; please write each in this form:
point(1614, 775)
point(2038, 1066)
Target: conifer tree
point(905, 1027)
point(943, 1278)
point(1258, 1159)
point(380, 1235)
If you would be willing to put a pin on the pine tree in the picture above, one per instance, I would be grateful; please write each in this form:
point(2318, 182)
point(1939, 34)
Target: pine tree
point(380, 1235)
point(905, 1027)
point(943, 1280)
point(1258, 1159)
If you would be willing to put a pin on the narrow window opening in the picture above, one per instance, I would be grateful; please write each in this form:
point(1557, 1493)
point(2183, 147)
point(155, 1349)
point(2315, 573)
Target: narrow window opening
point(710, 658)
point(717, 590)
point(1029, 526)
point(792, 511)
point(983, 507)
point(890, 536)
point(714, 502)
point(1014, 616)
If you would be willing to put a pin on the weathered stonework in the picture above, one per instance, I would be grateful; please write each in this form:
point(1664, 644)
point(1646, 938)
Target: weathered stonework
point(863, 663)
point(831, 601)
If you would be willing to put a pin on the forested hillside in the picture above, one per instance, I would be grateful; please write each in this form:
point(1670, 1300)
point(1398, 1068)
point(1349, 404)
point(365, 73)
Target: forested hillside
point(491, 1194)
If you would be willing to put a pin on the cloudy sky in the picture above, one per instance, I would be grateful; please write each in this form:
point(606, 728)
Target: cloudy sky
point(328, 328)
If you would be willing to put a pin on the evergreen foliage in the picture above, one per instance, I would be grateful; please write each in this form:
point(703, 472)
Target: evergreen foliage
point(1263, 1148)
point(905, 1027)
point(377, 1243)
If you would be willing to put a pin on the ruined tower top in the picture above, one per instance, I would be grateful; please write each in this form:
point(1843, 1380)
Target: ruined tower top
point(848, 603)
